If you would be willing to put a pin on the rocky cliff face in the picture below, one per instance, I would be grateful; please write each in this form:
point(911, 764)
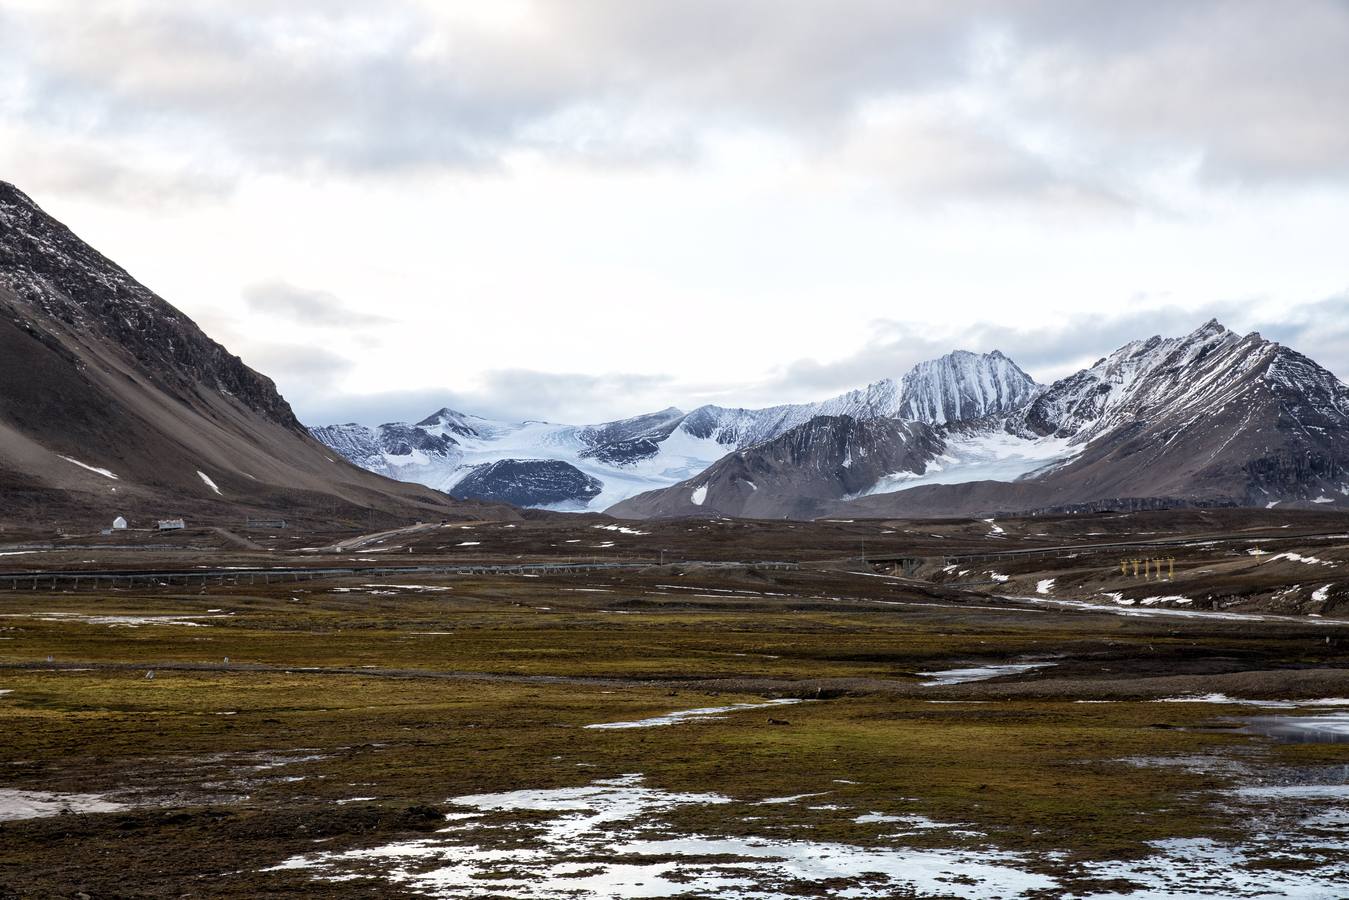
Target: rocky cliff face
point(962, 387)
point(390, 448)
point(64, 280)
point(528, 482)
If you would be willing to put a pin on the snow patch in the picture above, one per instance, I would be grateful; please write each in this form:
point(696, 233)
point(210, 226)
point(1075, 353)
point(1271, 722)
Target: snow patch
point(978, 673)
point(987, 456)
point(95, 469)
point(604, 842)
point(685, 715)
point(17, 805)
point(207, 480)
point(1296, 557)
point(620, 529)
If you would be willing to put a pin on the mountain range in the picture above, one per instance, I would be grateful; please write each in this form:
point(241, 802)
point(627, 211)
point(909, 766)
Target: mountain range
point(453, 451)
point(1212, 418)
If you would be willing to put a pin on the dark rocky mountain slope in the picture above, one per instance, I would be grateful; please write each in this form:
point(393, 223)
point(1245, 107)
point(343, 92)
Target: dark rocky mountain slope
point(114, 402)
point(527, 482)
point(798, 474)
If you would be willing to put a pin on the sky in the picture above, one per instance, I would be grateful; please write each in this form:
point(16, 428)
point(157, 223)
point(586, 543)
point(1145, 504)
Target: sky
point(578, 211)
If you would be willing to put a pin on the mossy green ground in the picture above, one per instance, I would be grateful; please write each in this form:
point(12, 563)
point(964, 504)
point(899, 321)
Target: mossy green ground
point(253, 762)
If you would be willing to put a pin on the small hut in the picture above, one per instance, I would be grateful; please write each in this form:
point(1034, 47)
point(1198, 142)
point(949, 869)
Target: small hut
point(119, 524)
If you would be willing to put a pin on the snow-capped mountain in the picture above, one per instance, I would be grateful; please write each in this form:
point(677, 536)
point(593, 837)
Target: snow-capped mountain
point(624, 458)
point(1210, 418)
point(656, 450)
point(963, 386)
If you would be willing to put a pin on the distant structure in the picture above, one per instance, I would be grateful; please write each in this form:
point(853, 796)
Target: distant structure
point(171, 524)
point(119, 524)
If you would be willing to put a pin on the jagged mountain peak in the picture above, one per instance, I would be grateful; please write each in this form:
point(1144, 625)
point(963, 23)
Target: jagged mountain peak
point(962, 386)
point(1211, 328)
point(441, 416)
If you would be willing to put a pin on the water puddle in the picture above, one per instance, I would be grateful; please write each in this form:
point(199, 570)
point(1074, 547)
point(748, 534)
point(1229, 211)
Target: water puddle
point(1265, 704)
point(1332, 728)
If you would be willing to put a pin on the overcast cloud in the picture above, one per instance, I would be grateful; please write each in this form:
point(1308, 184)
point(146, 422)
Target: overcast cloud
point(583, 210)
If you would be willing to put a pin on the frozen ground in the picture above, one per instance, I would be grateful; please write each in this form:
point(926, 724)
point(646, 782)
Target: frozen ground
point(608, 841)
point(15, 805)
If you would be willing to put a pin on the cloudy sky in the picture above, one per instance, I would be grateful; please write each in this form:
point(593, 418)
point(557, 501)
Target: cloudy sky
point(587, 209)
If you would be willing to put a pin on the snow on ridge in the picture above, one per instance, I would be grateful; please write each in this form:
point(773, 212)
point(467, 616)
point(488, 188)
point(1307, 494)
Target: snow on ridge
point(207, 480)
point(984, 456)
point(95, 469)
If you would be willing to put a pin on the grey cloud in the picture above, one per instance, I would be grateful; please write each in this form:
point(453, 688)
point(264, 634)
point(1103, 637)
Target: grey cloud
point(1250, 90)
point(296, 363)
point(112, 177)
point(1319, 330)
point(310, 307)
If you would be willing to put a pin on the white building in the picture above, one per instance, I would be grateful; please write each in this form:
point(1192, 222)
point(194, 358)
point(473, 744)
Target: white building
point(119, 524)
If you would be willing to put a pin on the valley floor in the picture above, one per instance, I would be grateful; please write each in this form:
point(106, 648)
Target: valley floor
point(675, 730)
